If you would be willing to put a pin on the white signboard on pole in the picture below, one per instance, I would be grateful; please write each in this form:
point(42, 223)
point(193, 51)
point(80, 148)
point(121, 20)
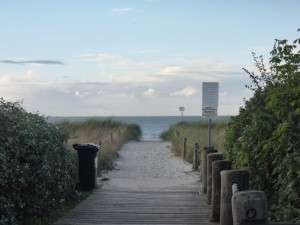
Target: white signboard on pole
point(181, 108)
point(210, 99)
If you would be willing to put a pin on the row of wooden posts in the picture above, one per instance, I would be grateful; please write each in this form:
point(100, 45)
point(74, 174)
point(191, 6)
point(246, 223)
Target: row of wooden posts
point(227, 190)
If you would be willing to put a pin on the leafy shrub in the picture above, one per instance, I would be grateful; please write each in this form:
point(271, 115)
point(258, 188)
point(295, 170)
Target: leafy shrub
point(264, 137)
point(35, 164)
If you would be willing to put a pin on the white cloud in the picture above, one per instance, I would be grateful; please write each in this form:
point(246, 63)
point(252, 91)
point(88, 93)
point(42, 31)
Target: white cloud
point(117, 68)
point(172, 70)
point(29, 77)
point(122, 85)
point(186, 92)
point(125, 95)
point(149, 92)
point(81, 95)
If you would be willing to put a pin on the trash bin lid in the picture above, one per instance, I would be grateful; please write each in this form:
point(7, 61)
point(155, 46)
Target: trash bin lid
point(86, 146)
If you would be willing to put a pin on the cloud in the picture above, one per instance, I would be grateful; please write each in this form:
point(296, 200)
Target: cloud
point(81, 95)
point(173, 69)
point(186, 92)
point(42, 62)
point(19, 79)
point(125, 95)
point(123, 10)
point(150, 92)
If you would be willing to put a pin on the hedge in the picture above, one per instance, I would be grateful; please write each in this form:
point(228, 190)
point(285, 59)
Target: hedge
point(264, 137)
point(35, 166)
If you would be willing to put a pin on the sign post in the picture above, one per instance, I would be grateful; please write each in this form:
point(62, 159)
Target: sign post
point(210, 99)
point(181, 108)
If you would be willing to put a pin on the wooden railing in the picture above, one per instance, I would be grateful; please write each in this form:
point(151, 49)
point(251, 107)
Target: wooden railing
point(227, 189)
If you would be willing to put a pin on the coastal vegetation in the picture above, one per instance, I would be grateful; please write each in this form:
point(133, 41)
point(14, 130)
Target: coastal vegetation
point(38, 167)
point(196, 132)
point(109, 132)
point(264, 137)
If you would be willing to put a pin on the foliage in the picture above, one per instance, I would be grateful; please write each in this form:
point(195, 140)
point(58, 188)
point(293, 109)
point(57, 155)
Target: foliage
point(133, 132)
point(195, 132)
point(264, 137)
point(35, 164)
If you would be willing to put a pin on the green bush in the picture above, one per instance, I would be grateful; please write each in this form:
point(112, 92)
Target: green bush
point(264, 137)
point(35, 164)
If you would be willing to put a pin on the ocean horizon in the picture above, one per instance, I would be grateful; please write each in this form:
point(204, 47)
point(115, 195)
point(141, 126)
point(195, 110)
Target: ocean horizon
point(152, 126)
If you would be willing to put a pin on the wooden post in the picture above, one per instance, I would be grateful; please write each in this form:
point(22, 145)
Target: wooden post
point(217, 167)
point(184, 149)
point(111, 137)
point(249, 206)
point(209, 132)
point(210, 159)
point(205, 152)
point(196, 157)
point(177, 133)
point(228, 177)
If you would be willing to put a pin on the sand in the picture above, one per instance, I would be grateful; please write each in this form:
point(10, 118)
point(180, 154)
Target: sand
point(150, 165)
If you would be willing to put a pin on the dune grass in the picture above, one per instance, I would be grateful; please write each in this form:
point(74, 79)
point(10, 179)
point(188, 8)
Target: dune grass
point(195, 132)
point(109, 132)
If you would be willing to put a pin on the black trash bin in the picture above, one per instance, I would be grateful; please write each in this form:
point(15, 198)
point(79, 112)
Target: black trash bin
point(87, 165)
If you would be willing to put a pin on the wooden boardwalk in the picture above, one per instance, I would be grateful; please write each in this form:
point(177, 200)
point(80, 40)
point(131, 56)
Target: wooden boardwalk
point(151, 190)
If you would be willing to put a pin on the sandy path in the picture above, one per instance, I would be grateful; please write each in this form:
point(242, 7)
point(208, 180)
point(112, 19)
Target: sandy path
point(150, 165)
point(149, 186)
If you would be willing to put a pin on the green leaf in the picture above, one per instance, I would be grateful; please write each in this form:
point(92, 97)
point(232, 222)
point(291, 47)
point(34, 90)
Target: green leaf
point(292, 103)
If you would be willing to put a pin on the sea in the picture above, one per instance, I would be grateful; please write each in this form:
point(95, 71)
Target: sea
point(152, 126)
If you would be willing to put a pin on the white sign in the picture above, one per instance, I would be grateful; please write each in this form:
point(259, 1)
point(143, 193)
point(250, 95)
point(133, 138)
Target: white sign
point(210, 99)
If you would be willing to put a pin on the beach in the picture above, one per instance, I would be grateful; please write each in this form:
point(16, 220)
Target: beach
point(150, 164)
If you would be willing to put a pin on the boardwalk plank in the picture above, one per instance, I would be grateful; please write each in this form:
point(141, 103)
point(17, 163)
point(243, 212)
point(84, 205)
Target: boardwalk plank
point(143, 200)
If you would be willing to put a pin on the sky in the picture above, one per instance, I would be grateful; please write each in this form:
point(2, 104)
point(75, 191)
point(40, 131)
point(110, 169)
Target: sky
point(135, 57)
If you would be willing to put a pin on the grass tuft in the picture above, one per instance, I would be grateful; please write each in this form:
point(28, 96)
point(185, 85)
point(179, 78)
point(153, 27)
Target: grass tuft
point(195, 132)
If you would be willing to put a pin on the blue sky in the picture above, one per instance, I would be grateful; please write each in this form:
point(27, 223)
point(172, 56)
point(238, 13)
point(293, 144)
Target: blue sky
point(138, 57)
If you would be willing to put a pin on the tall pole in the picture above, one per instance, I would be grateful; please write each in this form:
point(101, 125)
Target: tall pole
point(209, 132)
point(181, 109)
